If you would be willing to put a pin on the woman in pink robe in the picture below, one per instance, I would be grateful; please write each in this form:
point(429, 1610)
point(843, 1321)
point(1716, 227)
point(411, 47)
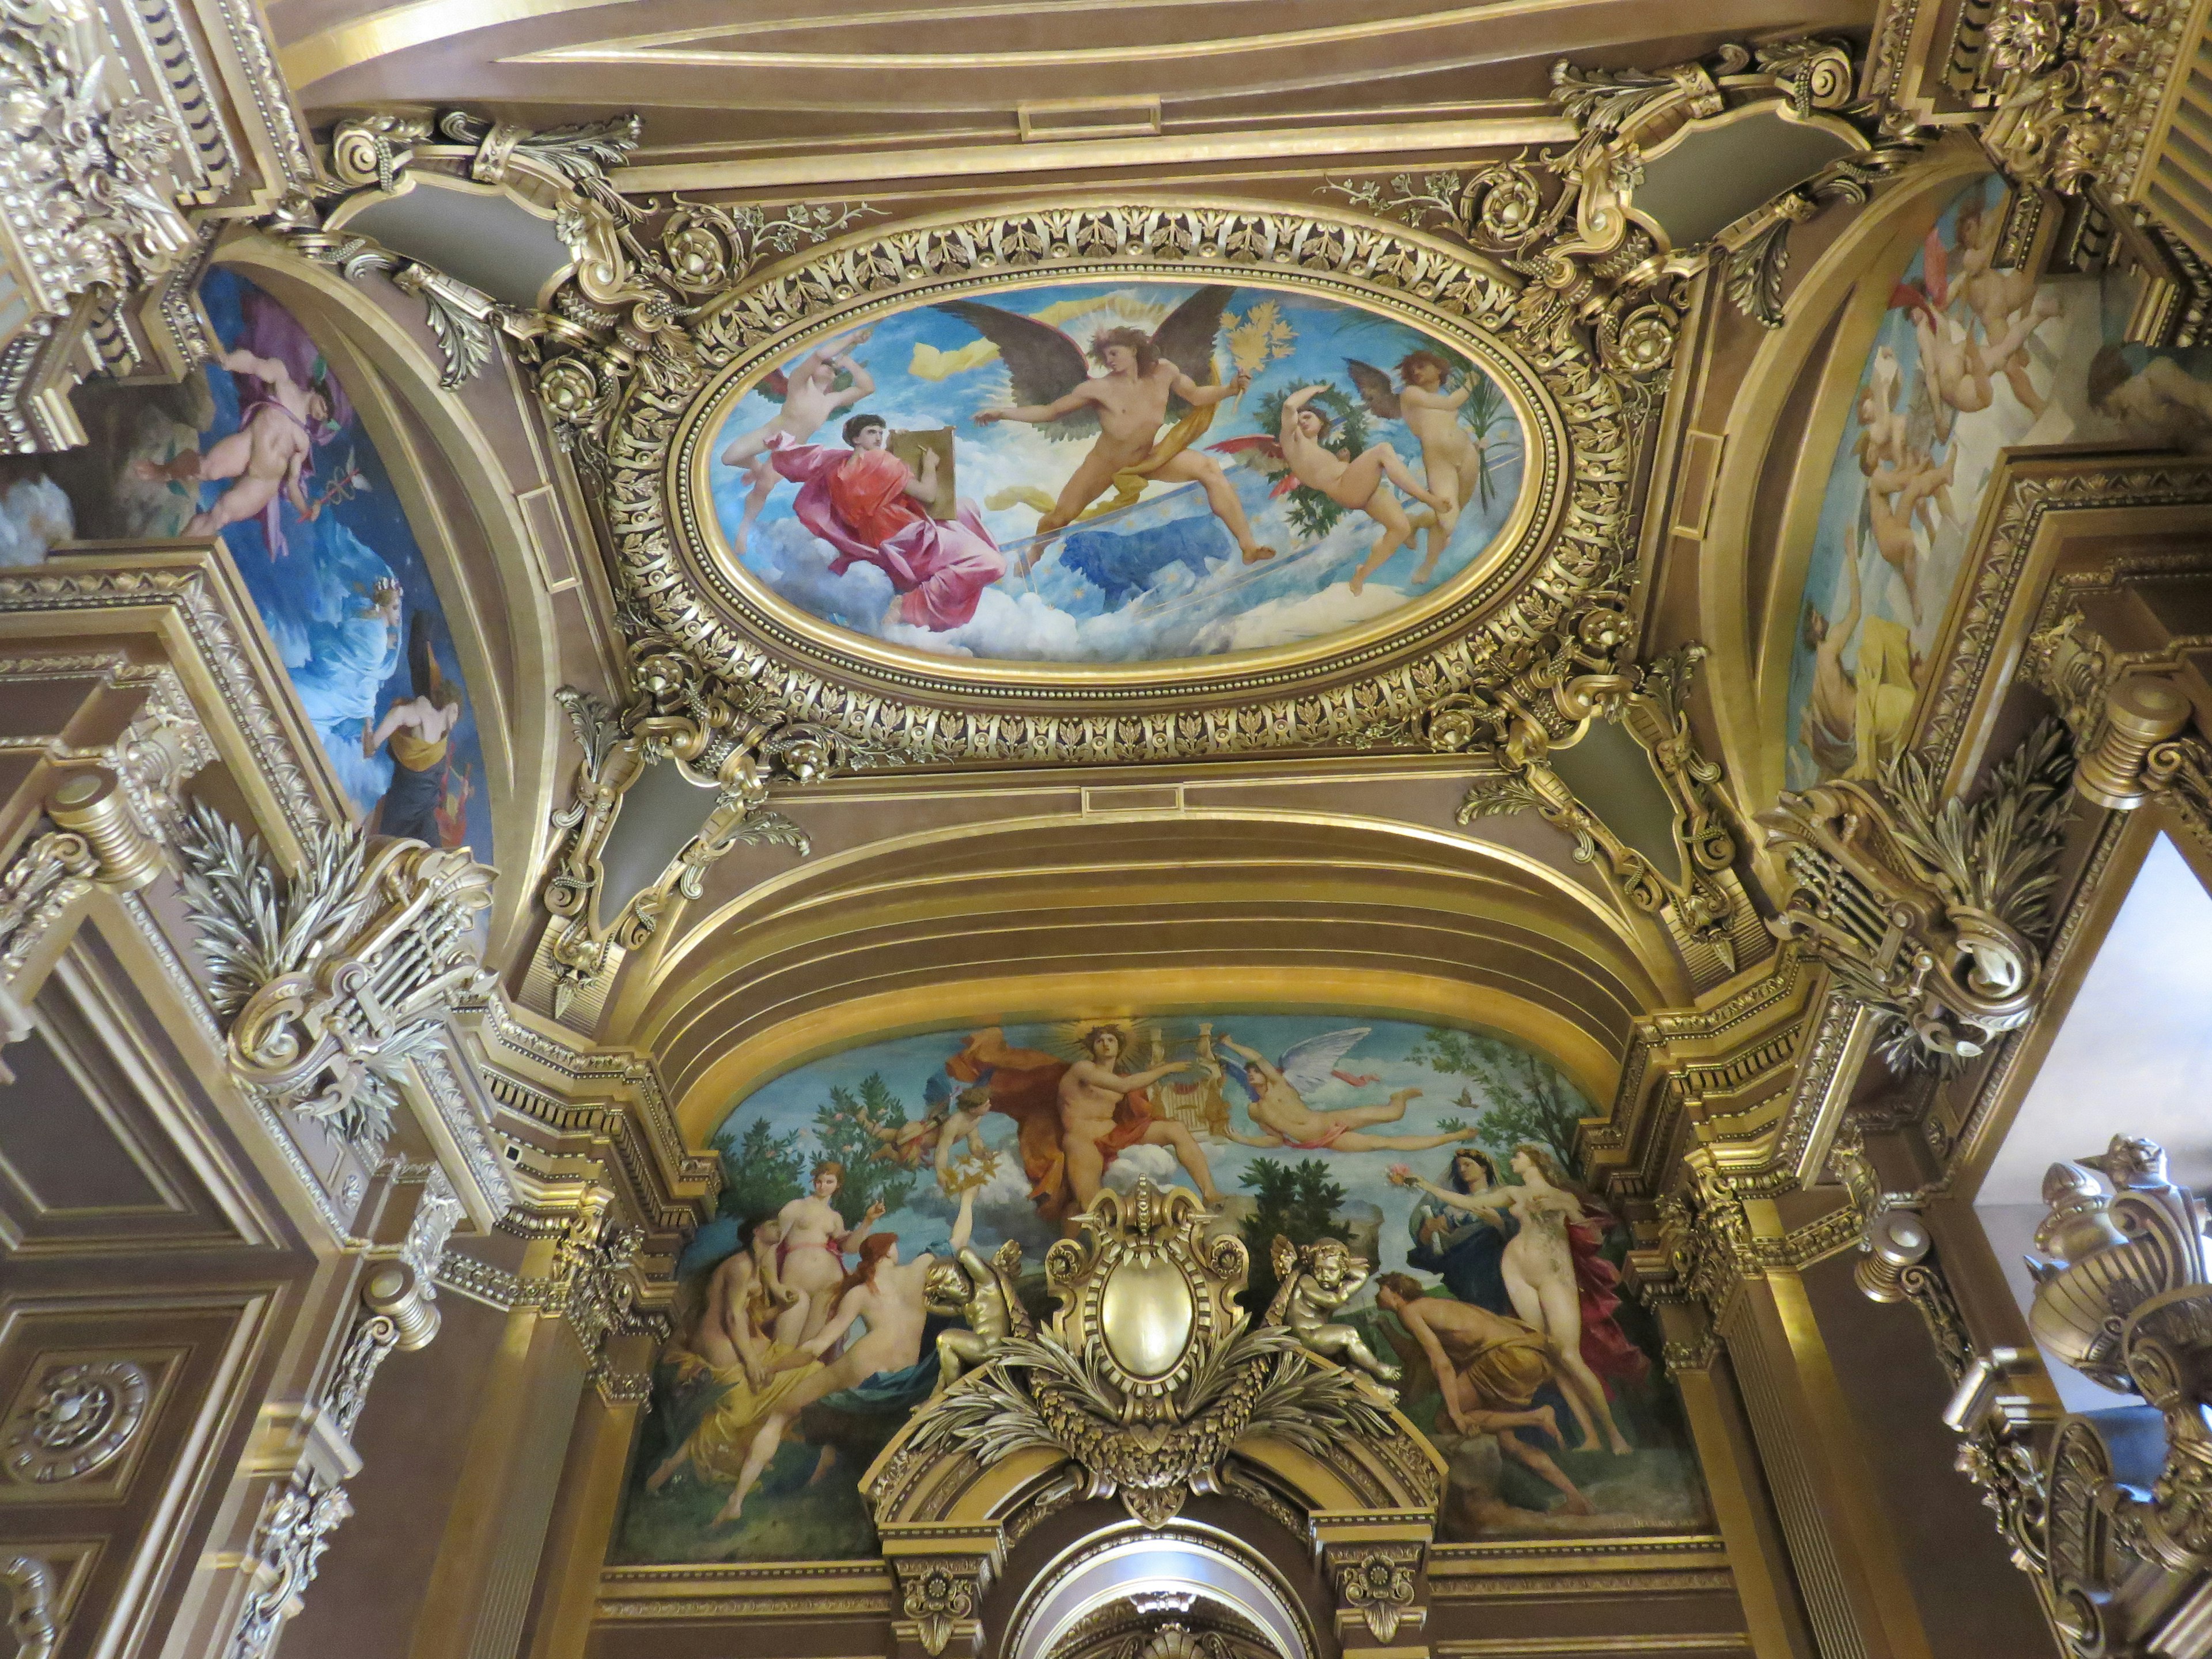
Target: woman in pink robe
point(868, 504)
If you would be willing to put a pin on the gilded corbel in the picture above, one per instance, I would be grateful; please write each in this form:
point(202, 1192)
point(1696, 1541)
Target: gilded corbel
point(1702, 903)
point(1926, 908)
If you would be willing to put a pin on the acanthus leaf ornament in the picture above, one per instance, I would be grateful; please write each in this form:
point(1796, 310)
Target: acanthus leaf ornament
point(330, 983)
point(1148, 1373)
point(1377, 1583)
point(1926, 908)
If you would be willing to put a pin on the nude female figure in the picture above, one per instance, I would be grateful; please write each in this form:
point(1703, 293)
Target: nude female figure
point(1538, 1268)
point(742, 1297)
point(891, 1301)
point(811, 1257)
point(1356, 483)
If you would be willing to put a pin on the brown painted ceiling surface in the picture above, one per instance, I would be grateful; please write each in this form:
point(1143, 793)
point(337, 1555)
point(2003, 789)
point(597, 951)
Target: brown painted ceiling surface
point(771, 92)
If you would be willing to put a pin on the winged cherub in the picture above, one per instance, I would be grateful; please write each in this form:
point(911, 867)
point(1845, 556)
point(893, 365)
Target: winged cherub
point(1356, 481)
point(810, 395)
point(983, 1292)
point(1278, 1107)
point(1452, 456)
point(1147, 379)
point(1316, 1281)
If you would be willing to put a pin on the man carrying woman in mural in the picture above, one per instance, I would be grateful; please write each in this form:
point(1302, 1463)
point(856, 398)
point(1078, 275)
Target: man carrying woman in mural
point(874, 509)
point(889, 1301)
point(1558, 1282)
point(772, 1382)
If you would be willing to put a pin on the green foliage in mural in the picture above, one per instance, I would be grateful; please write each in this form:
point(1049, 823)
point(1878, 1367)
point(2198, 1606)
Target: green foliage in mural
point(1528, 1099)
point(762, 1170)
point(848, 1129)
point(1299, 1200)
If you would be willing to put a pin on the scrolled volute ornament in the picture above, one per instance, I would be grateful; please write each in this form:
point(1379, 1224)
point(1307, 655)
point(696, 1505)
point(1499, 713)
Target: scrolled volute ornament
point(1148, 1373)
point(331, 982)
point(2123, 1295)
point(1927, 909)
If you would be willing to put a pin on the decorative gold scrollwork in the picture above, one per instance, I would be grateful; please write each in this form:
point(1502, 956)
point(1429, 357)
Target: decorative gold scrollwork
point(1927, 909)
point(1148, 1375)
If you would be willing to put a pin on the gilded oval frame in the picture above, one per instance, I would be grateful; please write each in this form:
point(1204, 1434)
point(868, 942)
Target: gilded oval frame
point(1583, 424)
point(704, 546)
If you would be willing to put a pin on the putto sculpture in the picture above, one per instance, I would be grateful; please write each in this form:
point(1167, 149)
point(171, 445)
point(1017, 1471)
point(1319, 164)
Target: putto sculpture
point(1149, 1372)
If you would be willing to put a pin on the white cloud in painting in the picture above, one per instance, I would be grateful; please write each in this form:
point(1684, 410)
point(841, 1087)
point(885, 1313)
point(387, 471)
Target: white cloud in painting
point(34, 515)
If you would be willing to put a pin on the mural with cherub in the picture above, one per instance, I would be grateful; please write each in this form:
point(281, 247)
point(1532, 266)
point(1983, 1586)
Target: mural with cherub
point(863, 1190)
point(262, 450)
point(1970, 359)
point(1084, 472)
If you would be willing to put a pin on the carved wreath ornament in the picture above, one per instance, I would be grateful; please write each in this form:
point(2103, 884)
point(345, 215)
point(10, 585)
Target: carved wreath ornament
point(1149, 1372)
point(652, 414)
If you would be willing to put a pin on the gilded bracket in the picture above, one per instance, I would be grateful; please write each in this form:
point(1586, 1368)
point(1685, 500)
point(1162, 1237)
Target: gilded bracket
point(1701, 902)
point(673, 715)
point(1925, 908)
point(1569, 216)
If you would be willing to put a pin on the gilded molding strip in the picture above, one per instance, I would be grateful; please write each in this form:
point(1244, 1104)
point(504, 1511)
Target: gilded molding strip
point(2014, 514)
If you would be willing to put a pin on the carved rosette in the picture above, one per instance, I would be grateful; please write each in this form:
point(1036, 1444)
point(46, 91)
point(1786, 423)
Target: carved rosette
point(78, 1418)
point(940, 1594)
point(1377, 1582)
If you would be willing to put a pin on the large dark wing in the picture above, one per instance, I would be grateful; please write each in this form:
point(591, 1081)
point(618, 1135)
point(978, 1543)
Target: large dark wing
point(1374, 388)
point(1186, 339)
point(1043, 363)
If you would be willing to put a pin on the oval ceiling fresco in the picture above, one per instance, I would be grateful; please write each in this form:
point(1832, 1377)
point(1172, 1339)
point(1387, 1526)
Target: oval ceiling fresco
point(1117, 473)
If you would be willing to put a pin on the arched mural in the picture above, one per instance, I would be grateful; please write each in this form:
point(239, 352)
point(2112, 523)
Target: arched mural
point(805, 1328)
point(264, 449)
point(1968, 359)
point(1115, 473)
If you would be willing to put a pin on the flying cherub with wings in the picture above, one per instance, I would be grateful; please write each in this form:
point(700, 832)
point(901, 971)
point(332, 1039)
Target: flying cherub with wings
point(1454, 459)
point(1148, 380)
point(810, 394)
point(1278, 1106)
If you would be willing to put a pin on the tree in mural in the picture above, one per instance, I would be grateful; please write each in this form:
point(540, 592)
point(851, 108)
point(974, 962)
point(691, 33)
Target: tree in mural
point(1529, 1100)
point(846, 1128)
point(762, 1170)
point(1299, 1201)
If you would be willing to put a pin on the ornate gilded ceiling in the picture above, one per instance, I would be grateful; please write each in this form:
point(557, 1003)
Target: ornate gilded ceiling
point(1509, 620)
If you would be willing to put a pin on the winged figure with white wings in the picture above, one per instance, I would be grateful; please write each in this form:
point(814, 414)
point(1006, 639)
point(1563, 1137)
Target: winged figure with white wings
point(1278, 1107)
point(1147, 380)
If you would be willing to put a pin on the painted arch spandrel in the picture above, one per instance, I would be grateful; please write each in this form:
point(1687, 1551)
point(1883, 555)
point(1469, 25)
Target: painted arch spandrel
point(264, 449)
point(1443, 1157)
point(1968, 360)
point(1106, 472)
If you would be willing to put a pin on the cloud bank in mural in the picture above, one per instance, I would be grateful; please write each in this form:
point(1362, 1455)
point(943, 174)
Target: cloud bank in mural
point(1115, 474)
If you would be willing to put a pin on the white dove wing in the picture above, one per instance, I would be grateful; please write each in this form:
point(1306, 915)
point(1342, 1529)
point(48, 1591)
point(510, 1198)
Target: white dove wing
point(1306, 1065)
